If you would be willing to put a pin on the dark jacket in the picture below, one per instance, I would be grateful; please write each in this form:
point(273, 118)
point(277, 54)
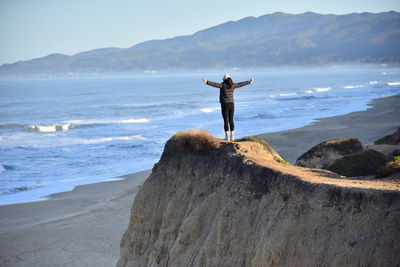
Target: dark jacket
point(226, 91)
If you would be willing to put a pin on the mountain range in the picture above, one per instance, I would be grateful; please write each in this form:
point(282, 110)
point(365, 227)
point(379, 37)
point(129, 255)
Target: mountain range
point(269, 40)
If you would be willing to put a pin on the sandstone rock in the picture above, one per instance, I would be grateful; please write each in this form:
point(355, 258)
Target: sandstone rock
point(232, 204)
point(325, 153)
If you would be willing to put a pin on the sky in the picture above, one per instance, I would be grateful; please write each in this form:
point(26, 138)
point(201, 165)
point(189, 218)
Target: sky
point(36, 28)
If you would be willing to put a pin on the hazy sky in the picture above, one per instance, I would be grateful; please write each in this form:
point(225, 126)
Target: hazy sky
point(36, 28)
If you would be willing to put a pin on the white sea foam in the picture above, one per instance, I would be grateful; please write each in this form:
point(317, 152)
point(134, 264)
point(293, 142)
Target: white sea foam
point(209, 110)
point(373, 82)
point(109, 139)
point(384, 73)
point(288, 94)
point(49, 128)
point(314, 90)
point(393, 83)
point(1, 138)
point(2, 169)
point(68, 180)
point(133, 137)
point(96, 141)
point(324, 89)
point(67, 125)
point(141, 120)
point(272, 96)
point(353, 86)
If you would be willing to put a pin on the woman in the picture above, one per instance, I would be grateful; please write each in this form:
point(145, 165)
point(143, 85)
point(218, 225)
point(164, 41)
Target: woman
point(226, 89)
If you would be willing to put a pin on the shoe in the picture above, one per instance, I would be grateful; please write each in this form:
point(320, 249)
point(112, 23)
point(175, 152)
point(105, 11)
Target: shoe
point(233, 139)
point(226, 139)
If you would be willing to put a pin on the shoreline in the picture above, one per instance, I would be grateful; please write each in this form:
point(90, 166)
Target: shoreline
point(84, 226)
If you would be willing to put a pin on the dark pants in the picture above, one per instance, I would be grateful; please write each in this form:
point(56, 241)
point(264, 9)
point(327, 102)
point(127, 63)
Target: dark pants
point(227, 113)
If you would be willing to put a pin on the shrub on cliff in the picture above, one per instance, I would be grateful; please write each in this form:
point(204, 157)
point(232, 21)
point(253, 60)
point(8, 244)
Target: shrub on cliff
point(390, 168)
point(359, 164)
point(198, 140)
point(267, 147)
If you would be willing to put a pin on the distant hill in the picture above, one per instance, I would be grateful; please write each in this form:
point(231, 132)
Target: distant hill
point(269, 40)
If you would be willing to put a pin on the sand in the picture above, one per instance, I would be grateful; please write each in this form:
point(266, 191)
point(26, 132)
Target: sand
point(84, 227)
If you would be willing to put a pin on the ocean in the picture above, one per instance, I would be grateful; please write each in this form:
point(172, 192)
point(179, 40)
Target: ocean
point(57, 133)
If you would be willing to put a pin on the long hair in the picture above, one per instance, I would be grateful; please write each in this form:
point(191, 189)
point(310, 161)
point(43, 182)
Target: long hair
point(228, 82)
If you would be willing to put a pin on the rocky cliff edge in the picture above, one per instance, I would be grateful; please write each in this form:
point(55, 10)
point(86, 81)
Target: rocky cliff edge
point(214, 203)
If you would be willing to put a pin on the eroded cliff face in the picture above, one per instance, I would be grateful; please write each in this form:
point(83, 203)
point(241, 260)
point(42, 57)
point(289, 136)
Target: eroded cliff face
point(232, 204)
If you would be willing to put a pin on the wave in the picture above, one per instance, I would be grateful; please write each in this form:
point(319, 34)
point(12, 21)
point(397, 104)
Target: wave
point(53, 134)
point(298, 98)
point(27, 147)
point(393, 83)
point(49, 128)
point(19, 189)
point(324, 89)
point(373, 82)
point(315, 90)
point(142, 120)
point(209, 110)
point(256, 116)
point(22, 188)
point(10, 126)
point(353, 86)
point(288, 94)
point(109, 139)
point(67, 125)
point(6, 167)
point(82, 123)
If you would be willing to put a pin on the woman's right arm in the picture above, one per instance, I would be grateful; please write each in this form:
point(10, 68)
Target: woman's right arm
point(218, 85)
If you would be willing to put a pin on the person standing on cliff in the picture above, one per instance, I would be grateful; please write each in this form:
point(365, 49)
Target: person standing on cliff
point(226, 89)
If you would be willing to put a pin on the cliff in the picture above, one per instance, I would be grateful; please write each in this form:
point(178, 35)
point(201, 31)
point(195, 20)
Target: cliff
point(213, 203)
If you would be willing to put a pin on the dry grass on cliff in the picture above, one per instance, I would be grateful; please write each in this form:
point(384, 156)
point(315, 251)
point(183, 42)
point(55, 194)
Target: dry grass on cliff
point(266, 145)
point(200, 140)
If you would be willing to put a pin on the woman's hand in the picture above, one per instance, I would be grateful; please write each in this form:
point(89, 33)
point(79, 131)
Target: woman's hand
point(251, 80)
point(204, 80)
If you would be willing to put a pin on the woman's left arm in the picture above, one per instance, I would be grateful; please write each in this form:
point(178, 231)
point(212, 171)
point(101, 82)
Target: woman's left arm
point(241, 84)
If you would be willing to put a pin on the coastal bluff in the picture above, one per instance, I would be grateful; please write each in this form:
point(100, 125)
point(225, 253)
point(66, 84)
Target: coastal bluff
point(213, 203)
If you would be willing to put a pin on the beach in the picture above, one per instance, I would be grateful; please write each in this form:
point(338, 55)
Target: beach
point(83, 227)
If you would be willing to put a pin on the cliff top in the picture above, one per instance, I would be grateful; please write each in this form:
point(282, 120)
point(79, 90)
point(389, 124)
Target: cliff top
point(255, 150)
